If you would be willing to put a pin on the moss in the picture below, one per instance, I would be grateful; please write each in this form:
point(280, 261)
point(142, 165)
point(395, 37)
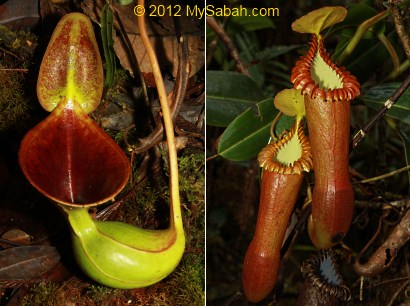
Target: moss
point(42, 294)
point(121, 78)
point(147, 201)
point(18, 49)
point(100, 295)
point(185, 286)
point(20, 43)
point(188, 281)
point(117, 136)
point(192, 178)
point(13, 103)
point(51, 294)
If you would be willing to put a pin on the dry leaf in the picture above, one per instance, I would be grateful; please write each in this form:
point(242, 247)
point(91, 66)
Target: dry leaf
point(17, 236)
point(167, 47)
point(26, 262)
point(162, 35)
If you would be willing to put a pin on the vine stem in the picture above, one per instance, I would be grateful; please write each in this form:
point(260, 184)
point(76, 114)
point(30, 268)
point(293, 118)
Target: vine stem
point(272, 127)
point(176, 218)
point(361, 30)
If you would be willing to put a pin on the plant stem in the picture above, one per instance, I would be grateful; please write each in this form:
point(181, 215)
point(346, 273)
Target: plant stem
point(393, 54)
point(176, 219)
point(395, 74)
point(361, 30)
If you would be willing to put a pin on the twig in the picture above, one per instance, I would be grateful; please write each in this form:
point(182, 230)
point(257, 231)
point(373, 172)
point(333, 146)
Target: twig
point(133, 59)
point(383, 176)
point(371, 204)
point(401, 30)
point(216, 27)
point(296, 230)
point(9, 53)
point(397, 279)
point(130, 146)
point(212, 157)
point(387, 105)
point(384, 256)
point(108, 212)
point(179, 91)
point(357, 266)
point(396, 294)
point(234, 298)
point(14, 69)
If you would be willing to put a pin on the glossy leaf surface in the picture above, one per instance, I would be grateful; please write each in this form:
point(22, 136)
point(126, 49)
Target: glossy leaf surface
point(376, 96)
point(228, 95)
point(284, 123)
point(71, 66)
point(249, 133)
point(71, 160)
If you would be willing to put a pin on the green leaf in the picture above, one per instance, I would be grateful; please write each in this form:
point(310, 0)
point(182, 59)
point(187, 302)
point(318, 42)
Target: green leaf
point(247, 22)
point(368, 51)
point(249, 133)
point(107, 20)
point(376, 96)
point(369, 44)
point(357, 14)
point(228, 94)
point(284, 123)
point(273, 51)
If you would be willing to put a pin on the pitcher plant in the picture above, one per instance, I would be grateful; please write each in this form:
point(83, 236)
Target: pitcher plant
point(73, 162)
point(327, 90)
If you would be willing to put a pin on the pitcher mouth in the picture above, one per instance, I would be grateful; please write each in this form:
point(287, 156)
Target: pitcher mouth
point(322, 272)
point(290, 155)
point(317, 76)
point(71, 160)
